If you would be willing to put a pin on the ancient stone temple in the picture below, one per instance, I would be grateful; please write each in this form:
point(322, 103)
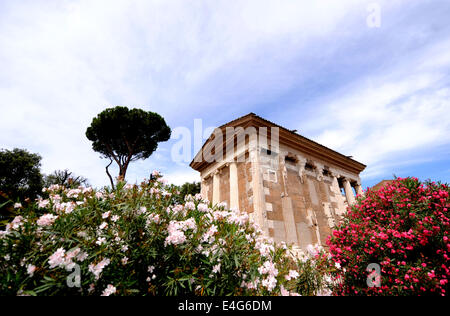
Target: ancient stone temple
point(294, 188)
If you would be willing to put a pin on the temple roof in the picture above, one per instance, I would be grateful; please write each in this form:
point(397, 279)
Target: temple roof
point(291, 139)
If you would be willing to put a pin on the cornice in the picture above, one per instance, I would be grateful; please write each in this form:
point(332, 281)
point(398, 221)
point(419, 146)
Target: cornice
point(288, 138)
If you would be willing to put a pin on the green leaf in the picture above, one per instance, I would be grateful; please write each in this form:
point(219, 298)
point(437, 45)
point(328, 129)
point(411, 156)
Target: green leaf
point(6, 203)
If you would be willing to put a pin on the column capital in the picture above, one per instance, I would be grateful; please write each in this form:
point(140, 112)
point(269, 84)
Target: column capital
point(334, 174)
point(301, 159)
point(319, 174)
point(359, 189)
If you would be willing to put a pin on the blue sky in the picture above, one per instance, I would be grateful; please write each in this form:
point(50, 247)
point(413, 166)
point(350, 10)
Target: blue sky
point(379, 94)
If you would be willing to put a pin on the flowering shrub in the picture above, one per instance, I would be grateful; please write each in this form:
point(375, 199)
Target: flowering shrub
point(404, 228)
point(137, 241)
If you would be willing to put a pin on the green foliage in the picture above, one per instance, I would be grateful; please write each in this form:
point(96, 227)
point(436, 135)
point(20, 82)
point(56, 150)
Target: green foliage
point(20, 175)
point(312, 276)
point(136, 240)
point(20, 180)
point(7, 211)
point(188, 188)
point(65, 178)
point(124, 135)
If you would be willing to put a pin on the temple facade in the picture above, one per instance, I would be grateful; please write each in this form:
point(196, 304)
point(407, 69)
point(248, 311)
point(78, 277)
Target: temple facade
point(295, 189)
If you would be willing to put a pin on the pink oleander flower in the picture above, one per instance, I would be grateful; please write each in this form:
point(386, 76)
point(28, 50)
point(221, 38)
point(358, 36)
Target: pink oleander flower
point(100, 241)
point(73, 193)
point(189, 206)
point(268, 268)
point(16, 223)
point(264, 249)
point(175, 209)
point(236, 218)
point(110, 289)
point(46, 220)
point(128, 186)
point(202, 207)
point(175, 237)
point(82, 256)
point(142, 210)
point(57, 259)
point(85, 190)
point(285, 292)
point(216, 268)
point(73, 253)
point(270, 283)
point(98, 268)
point(154, 191)
point(43, 203)
point(315, 250)
point(209, 235)
point(292, 275)
point(222, 204)
point(30, 269)
point(71, 206)
point(153, 218)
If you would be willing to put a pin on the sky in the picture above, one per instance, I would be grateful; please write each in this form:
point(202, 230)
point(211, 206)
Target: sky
point(370, 79)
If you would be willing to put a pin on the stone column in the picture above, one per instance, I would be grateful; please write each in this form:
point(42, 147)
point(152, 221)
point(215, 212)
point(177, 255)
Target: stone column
point(234, 186)
point(216, 187)
point(284, 176)
point(203, 191)
point(349, 192)
point(359, 189)
point(289, 220)
point(257, 185)
point(335, 184)
point(339, 199)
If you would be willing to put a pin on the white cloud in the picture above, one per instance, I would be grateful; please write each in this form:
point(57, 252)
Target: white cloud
point(63, 62)
point(182, 176)
point(394, 117)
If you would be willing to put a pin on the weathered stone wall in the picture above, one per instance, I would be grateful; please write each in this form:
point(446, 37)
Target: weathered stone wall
point(225, 185)
point(245, 187)
point(209, 188)
point(300, 204)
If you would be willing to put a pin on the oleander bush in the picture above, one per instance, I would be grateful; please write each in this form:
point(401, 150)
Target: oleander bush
point(404, 228)
point(136, 240)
